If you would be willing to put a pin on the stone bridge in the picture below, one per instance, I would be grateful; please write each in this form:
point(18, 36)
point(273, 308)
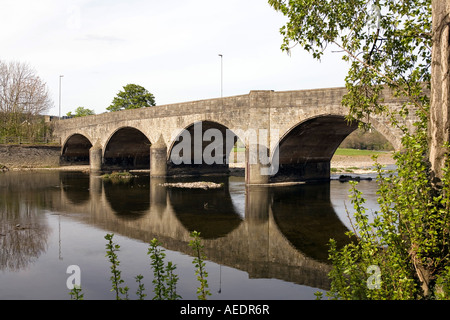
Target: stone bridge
point(287, 136)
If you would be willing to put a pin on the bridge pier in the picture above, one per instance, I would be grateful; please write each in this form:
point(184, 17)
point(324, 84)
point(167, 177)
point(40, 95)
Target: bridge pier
point(95, 158)
point(257, 166)
point(158, 158)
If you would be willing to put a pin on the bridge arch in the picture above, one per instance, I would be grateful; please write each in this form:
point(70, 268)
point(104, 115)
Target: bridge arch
point(304, 152)
point(203, 146)
point(127, 148)
point(75, 150)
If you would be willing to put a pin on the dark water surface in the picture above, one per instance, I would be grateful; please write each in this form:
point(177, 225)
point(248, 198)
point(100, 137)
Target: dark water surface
point(261, 242)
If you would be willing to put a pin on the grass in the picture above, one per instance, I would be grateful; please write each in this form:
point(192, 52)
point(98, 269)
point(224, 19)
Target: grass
point(356, 152)
point(339, 151)
point(117, 177)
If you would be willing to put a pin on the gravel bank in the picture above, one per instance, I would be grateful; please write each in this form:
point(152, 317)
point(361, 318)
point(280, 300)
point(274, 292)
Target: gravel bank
point(359, 164)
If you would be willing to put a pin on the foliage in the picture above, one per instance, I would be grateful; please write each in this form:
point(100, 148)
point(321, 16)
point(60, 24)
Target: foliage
point(75, 293)
point(118, 177)
point(132, 97)
point(81, 112)
point(356, 152)
point(199, 262)
point(23, 97)
point(140, 291)
point(406, 241)
point(402, 251)
point(165, 280)
point(366, 140)
point(385, 42)
point(116, 278)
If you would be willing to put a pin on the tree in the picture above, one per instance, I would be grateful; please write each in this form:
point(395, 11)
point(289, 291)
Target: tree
point(440, 87)
point(402, 252)
point(81, 112)
point(23, 96)
point(132, 97)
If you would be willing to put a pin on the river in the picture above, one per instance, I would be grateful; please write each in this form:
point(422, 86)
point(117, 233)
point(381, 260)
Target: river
point(260, 242)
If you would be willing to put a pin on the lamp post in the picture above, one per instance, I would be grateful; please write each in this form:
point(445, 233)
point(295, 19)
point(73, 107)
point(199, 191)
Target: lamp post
point(60, 95)
point(221, 75)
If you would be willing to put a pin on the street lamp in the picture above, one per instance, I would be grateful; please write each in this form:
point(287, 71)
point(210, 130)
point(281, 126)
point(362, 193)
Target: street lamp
point(60, 95)
point(221, 75)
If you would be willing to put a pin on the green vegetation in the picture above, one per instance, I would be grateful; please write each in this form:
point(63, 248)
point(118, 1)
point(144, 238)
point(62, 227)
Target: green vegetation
point(402, 250)
point(164, 278)
point(367, 140)
point(199, 262)
point(24, 97)
point(81, 112)
point(132, 97)
point(32, 131)
point(356, 152)
point(116, 278)
point(238, 149)
point(118, 177)
point(75, 293)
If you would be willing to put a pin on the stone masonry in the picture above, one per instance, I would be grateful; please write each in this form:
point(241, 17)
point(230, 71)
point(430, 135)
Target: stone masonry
point(298, 131)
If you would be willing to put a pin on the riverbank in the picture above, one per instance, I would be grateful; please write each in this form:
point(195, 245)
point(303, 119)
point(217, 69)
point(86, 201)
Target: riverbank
point(359, 164)
point(27, 158)
point(17, 157)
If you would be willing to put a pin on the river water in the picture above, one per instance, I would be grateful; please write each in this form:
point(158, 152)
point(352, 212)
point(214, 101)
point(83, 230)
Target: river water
point(260, 242)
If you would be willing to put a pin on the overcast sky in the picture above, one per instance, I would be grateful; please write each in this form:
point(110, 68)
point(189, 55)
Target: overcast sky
point(169, 47)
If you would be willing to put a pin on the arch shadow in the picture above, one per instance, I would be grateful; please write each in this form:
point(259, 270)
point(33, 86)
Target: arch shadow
point(201, 148)
point(304, 153)
point(75, 150)
point(127, 148)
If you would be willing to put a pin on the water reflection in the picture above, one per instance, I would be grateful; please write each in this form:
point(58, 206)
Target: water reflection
point(23, 234)
point(276, 232)
point(306, 217)
point(210, 212)
point(75, 188)
point(128, 200)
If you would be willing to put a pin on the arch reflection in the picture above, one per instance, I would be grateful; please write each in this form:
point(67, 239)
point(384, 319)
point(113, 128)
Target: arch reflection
point(305, 215)
point(128, 200)
point(75, 186)
point(210, 212)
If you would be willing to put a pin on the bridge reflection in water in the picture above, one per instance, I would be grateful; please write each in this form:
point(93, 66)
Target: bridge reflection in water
point(268, 232)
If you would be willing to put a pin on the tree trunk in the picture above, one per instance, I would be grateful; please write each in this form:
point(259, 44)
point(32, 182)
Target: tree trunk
point(440, 87)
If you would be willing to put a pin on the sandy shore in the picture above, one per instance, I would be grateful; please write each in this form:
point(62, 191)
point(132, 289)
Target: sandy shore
point(65, 168)
point(359, 164)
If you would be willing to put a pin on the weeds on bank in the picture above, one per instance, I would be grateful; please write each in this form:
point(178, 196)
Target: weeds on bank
point(164, 278)
point(75, 293)
point(116, 280)
point(118, 177)
point(199, 261)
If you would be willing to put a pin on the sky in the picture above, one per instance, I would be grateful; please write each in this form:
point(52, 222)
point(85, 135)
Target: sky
point(171, 48)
